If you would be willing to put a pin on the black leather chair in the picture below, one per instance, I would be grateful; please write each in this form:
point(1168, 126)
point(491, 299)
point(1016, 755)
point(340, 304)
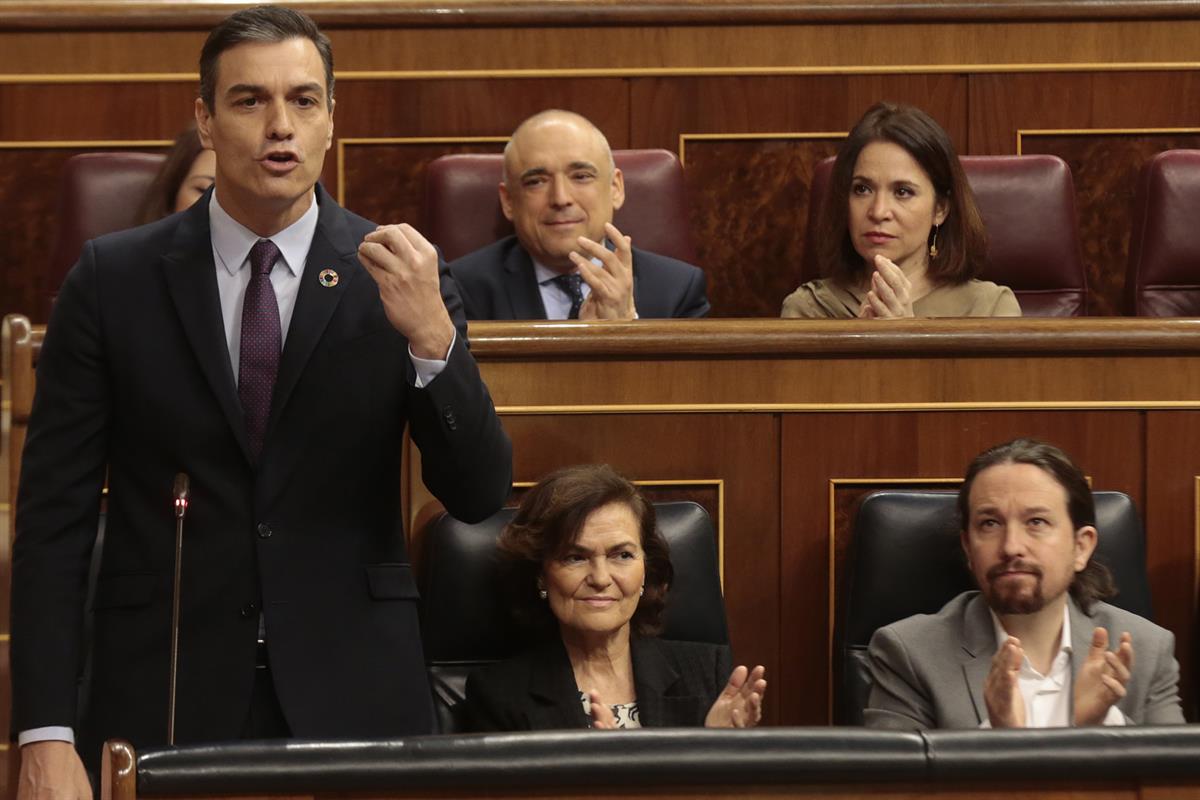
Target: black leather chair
point(465, 625)
point(905, 558)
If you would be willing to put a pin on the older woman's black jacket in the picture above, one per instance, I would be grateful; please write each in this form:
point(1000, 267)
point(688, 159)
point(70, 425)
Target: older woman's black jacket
point(676, 684)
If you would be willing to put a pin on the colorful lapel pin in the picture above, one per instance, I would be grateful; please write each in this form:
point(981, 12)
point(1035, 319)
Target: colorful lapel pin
point(328, 278)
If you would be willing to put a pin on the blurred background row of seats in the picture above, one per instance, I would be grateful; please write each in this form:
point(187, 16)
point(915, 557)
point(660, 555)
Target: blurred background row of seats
point(1027, 202)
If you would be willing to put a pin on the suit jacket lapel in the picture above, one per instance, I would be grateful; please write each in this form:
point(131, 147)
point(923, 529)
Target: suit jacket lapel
point(659, 703)
point(1081, 638)
point(637, 285)
point(191, 280)
point(556, 702)
point(979, 645)
point(523, 293)
point(332, 248)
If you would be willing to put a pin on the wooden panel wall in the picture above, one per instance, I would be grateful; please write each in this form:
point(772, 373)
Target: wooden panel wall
point(751, 105)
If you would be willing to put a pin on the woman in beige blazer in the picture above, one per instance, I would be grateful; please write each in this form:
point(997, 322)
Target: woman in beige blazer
point(909, 240)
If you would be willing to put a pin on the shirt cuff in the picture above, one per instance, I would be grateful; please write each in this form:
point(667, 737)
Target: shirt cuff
point(429, 368)
point(1114, 717)
point(50, 733)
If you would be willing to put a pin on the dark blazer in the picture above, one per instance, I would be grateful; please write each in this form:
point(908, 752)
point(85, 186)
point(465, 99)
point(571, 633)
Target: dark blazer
point(134, 381)
point(498, 282)
point(928, 671)
point(676, 685)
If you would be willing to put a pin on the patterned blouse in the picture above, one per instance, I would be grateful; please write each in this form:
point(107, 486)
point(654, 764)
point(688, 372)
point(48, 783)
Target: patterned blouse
point(626, 714)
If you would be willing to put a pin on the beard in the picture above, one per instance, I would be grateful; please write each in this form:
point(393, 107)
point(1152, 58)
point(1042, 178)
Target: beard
point(1011, 597)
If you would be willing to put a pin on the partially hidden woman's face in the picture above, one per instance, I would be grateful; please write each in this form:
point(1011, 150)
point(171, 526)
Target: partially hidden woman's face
point(198, 179)
point(893, 206)
point(595, 586)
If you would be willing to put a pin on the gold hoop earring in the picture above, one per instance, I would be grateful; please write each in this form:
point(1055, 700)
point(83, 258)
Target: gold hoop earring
point(933, 248)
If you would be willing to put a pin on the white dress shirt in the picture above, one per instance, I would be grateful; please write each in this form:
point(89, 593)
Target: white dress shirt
point(1048, 698)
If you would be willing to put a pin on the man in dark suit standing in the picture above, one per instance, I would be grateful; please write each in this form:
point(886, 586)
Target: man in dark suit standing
point(560, 190)
point(273, 347)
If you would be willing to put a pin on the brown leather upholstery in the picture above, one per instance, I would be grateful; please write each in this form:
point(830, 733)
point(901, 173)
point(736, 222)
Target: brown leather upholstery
point(98, 193)
point(1028, 207)
point(462, 205)
point(1163, 279)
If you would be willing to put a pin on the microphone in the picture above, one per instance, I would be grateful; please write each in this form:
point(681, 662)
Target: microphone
point(181, 494)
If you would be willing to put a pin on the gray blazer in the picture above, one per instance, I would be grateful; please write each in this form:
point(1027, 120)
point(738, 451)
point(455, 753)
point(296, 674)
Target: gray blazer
point(928, 671)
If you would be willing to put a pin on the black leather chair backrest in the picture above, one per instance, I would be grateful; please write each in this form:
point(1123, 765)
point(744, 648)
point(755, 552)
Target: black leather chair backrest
point(905, 559)
point(465, 623)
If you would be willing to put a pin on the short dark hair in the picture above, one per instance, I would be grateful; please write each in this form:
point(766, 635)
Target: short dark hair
point(1094, 582)
point(263, 24)
point(548, 522)
point(160, 196)
point(961, 239)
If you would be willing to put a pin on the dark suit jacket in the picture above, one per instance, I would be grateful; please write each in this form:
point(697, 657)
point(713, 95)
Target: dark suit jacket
point(928, 671)
point(134, 381)
point(498, 282)
point(676, 684)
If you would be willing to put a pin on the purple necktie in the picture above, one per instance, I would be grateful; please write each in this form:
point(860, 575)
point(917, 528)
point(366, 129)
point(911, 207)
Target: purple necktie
point(261, 337)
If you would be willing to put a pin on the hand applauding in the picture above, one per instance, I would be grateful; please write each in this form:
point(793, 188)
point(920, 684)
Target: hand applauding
point(612, 281)
point(1102, 678)
point(740, 703)
point(891, 293)
point(1001, 690)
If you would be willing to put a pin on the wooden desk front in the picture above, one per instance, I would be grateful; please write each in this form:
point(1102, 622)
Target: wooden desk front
point(777, 427)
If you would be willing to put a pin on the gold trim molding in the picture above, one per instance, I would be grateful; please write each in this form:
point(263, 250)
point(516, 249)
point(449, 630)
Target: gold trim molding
point(630, 72)
point(1196, 544)
point(752, 408)
point(54, 144)
point(1030, 132)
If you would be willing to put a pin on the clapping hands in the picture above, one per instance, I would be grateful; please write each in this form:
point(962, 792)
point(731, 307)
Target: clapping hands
point(740, 703)
point(890, 294)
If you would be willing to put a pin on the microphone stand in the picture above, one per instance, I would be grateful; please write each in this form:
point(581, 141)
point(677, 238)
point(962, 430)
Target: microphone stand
point(181, 503)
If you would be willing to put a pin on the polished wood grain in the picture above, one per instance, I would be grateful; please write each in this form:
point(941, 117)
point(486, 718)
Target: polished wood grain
point(750, 141)
point(1171, 506)
point(797, 419)
point(749, 218)
point(18, 343)
point(1028, 335)
point(1105, 168)
point(749, 145)
point(481, 50)
point(178, 13)
point(29, 194)
point(1105, 126)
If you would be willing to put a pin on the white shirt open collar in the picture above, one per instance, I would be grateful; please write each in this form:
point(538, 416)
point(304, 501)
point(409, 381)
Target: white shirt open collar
point(1064, 640)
